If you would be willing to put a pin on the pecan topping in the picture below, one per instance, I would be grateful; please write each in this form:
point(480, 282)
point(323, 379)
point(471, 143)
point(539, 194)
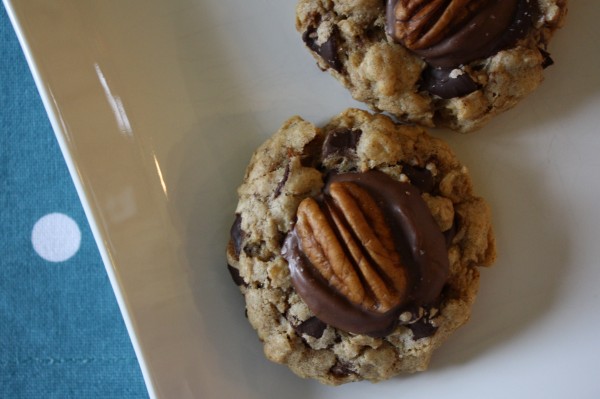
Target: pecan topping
point(447, 33)
point(421, 23)
point(364, 250)
point(349, 243)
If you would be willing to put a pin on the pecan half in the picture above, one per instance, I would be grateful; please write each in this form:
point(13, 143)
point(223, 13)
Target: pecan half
point(349, 243)
point(421, 23)
point(447, 33)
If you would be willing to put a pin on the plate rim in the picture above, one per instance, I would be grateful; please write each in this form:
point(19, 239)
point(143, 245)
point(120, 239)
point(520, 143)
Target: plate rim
point(57, 126)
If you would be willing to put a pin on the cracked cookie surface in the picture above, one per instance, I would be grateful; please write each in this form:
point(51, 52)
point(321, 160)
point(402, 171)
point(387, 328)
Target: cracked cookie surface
point(388, 58)
point(302, 162)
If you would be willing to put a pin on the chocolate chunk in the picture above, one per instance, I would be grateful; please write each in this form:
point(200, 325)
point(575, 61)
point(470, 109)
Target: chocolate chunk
point(419, 177)
point(341, 142)
point(286, 175)
point(442, 82)
point(237, 234)
point(548, 61)
point(422, 328)
point(328, 51)
point(235, 276)
point(312, 327)
point(311, 152)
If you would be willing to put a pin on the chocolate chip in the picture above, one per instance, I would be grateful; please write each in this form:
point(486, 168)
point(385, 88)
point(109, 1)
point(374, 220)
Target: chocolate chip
point(312, 327)
point(548, 61)
point(440, 81)
point(341, 142)
point(419, 177)
point(286, 175)
point(311, 152)
point(527, 12)
point(235, 276)
point(328, 51)
point(237, 234)
point(422, 328)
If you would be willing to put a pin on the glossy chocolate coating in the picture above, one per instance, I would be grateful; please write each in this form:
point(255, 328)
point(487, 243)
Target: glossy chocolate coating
point(439, 81)
point(418, 240)
point(495, 27)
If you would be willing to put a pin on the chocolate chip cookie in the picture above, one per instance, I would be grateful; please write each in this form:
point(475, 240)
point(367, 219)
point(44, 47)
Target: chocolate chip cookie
point(452, 63)
point(356, 246)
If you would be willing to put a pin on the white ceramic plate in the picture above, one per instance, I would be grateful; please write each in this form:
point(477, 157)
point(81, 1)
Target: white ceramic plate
point(158, 106)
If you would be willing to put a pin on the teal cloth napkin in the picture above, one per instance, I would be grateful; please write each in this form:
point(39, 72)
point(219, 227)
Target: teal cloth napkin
point(61, 331)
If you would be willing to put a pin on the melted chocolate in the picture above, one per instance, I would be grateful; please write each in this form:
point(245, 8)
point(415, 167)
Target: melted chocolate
point(341, 142)
point(284, 179)
point(328, 50)
point(418, 240)
point(237, 234)
point(496, 26)
point(311, 151)
point(439, 81)
point(419, 177)
point(235, 276)
point(422, 328)
point(312, 327)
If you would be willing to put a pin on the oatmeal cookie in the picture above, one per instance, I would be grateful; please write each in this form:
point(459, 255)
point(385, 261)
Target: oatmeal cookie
point(435, 63)
point(356, 246)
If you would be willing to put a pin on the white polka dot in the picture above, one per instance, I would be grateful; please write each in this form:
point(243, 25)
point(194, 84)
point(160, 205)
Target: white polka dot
point(56, 237)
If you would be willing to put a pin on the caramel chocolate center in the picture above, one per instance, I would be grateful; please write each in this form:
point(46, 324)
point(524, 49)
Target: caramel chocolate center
point(450, 33)
point(358, 264)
